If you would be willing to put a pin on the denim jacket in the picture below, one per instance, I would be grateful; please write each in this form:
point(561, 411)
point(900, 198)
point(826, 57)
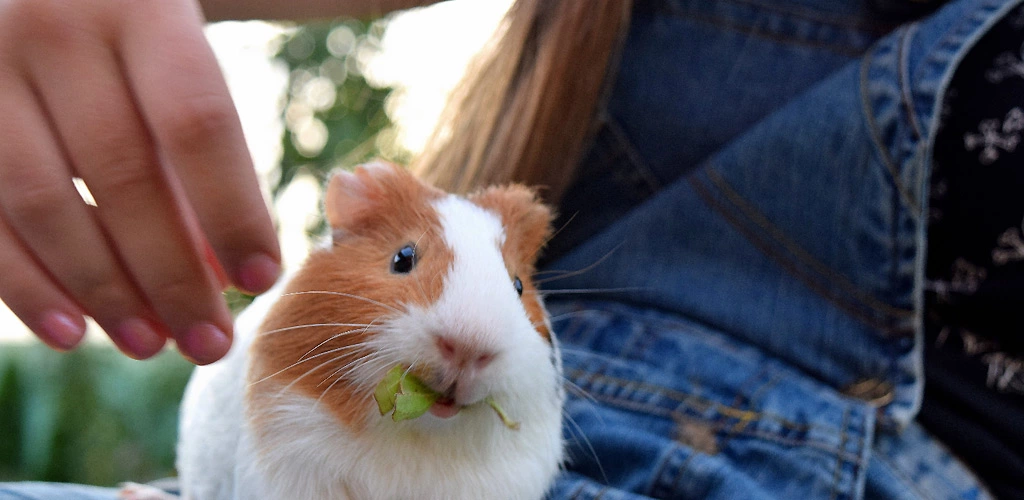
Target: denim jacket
point(749, 229)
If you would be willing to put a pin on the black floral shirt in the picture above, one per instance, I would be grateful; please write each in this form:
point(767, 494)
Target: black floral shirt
point(974, 357)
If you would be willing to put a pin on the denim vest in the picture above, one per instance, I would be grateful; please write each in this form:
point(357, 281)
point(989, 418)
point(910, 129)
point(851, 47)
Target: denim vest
point(738, 287)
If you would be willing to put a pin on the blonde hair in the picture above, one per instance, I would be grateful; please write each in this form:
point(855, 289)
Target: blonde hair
point(527, 107)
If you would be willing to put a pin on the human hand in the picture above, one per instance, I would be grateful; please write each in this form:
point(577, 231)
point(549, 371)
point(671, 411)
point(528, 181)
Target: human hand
point(127, 96)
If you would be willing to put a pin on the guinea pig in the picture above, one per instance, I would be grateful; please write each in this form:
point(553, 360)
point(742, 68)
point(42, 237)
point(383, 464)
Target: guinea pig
point(413, 277)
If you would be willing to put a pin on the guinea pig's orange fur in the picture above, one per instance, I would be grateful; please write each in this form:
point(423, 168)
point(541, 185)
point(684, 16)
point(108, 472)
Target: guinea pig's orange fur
point(372, 218)
point(527, 228)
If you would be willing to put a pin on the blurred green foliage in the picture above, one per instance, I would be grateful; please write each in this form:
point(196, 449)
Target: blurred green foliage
point(333, 117)
point(94, 416)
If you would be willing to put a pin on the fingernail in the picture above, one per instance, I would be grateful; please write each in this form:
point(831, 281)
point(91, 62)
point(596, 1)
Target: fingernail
point(62, 330)
point(258, 273)
point(204, 343)
point(139, 338)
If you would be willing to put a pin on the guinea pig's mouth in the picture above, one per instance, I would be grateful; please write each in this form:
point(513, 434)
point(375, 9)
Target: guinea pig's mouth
point(445, 407)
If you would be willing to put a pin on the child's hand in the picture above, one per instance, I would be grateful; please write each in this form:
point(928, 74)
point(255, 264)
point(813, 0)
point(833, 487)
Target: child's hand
point(126, 95)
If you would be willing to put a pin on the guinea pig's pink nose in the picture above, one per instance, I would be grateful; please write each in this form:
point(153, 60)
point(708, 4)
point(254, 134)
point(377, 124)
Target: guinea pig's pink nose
point(462, 355)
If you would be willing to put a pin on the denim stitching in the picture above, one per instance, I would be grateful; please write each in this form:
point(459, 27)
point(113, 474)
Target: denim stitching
point(628, 149)
point(809, 15)
point(906, 480)
point(884, 325)
point(698, 404)
point(649, 409)
point(876, 133)
point(772, 381)
point(946, 49)
point(681, 472)
point(903, 81)
point(753, 31)
point(757, 379)
point(801, 255)
point(578, 491)
point(659, 471)
point(636, 335)
point(837, 472)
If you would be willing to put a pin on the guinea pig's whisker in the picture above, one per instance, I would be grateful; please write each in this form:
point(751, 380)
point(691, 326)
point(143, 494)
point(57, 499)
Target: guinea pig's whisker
point(533, 256)
point(565, 316)
point(586, 441)
point(364, 329)
point(343, 294)
point(569, 274)
point(348, 368)
point(583, 352)
point(567, 291)
point(299, 362)
point(311, 325)
point(577, 390)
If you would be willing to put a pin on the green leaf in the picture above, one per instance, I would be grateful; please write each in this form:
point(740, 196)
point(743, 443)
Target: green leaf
point(410, 384)
point(387, 390)
point(511, 424)
point(412, 405)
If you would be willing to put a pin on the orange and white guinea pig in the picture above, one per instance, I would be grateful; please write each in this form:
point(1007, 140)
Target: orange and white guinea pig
point(415, 277)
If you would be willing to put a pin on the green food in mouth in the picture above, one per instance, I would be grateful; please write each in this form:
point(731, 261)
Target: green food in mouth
point(408, 397)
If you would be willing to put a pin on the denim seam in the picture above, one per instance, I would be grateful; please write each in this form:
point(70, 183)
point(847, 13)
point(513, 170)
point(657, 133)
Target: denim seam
point(876, 133)
point(837, 472)
point(854, 310)
point(697, 404)
point(798, 253)
point(811, 16)
point(653, 410)
point(681, 470)
point(947, 48)
point(753, 31)
point(772, 381)
point(758, 379)
point(578, 491)
point(909, 482)
point(903, 81)
point(636, 160)
point(659, 471)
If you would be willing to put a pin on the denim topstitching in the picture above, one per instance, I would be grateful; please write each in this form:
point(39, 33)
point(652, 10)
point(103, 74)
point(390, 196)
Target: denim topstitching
point(802, 256)
point(885, 325)
point(875, 131)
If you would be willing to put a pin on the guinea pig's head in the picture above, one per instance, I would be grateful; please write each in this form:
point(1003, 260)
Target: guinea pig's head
point(436, 283)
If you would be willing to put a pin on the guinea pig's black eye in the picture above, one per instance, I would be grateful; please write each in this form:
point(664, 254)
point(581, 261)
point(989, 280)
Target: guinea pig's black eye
point(518, 283)
point(404, 260)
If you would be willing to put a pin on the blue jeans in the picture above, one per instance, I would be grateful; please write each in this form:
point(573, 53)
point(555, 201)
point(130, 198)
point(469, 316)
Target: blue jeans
point(754, 216)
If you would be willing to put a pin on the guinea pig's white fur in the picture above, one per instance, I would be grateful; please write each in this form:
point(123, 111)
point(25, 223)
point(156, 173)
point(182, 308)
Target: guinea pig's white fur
point(249, 432)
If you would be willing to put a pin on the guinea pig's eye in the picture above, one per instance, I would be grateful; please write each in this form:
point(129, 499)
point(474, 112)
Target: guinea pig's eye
point(404, 260)
point(518, 283)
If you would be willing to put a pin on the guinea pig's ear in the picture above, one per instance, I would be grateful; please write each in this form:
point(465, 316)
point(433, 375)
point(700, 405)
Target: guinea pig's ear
point(527, 221)
point(351, 195)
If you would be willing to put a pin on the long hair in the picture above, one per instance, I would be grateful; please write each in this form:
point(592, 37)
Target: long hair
point(527, 106)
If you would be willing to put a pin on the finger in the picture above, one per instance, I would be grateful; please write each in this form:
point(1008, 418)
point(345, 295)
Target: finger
point(34, 298)
point(186, 104)
point(43, 208)
point(108, 146)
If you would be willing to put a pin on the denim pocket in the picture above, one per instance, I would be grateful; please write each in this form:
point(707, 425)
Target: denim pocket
point(664, 408)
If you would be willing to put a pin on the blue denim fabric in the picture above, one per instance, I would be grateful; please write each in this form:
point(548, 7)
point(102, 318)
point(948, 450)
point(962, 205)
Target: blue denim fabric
point(757, 257)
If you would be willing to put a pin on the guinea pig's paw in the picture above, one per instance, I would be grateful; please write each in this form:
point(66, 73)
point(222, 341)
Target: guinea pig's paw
point(135, 491)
